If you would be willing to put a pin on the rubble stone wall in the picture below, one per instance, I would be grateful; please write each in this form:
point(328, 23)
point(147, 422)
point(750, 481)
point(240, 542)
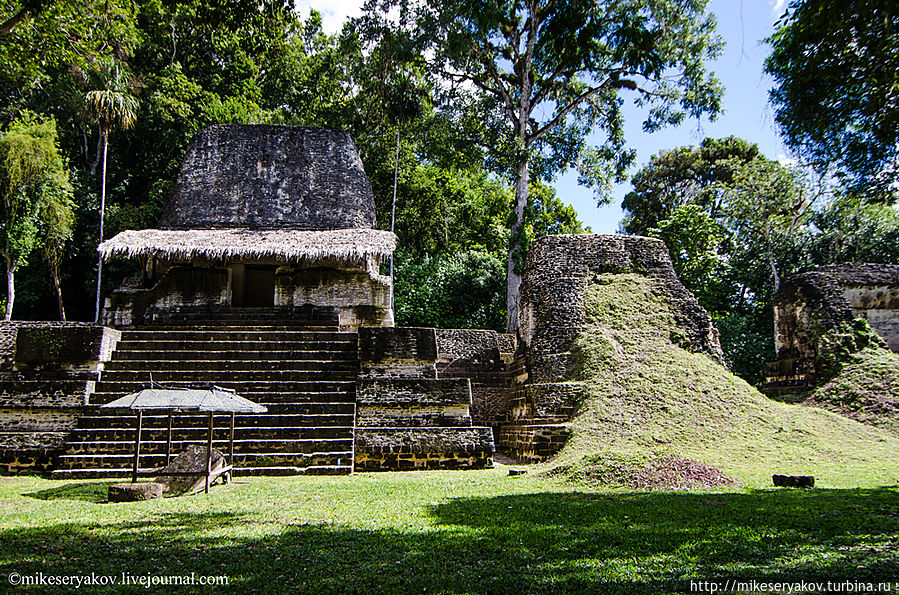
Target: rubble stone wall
point(47, 372)
point(827, 301)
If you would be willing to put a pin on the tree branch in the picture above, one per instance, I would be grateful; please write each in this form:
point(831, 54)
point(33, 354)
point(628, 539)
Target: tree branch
point(610, 83)
point(10, 23)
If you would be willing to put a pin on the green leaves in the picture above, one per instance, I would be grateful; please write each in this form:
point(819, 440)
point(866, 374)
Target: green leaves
point(835, 66)
point(35, 192)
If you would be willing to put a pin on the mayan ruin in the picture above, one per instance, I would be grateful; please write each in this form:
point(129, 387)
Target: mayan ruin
point(449, 297)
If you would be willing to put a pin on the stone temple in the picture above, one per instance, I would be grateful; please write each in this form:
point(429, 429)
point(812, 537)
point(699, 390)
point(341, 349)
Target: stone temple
point(261, 216)
point(264, 277)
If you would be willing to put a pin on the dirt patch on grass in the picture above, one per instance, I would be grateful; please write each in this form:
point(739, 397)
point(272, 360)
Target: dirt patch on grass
point(669, 473)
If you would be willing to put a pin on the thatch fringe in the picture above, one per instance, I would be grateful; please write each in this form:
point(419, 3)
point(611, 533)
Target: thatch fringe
point(289, 244)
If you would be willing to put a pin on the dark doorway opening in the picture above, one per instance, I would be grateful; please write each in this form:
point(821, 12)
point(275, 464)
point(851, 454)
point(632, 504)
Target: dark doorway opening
point(260, 287)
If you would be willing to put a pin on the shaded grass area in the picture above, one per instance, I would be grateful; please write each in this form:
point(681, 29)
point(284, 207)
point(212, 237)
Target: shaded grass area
point(649, 398)
point(452, 532)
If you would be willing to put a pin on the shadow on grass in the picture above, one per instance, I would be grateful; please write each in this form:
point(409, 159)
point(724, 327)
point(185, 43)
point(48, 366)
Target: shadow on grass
point(85, 492)
point(546, 542)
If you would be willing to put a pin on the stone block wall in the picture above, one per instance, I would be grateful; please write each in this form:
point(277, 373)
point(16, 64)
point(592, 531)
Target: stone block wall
point(827, 302)
point(399, 352)
point(47, 371)
point(406, 417)
point(483, 357)
point(180, 289)
point(359, 297)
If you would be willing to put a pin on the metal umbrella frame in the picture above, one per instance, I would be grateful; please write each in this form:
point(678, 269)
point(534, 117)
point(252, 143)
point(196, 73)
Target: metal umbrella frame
point(210, 400)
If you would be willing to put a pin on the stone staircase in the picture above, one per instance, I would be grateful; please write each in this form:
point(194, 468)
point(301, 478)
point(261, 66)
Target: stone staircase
point(303, 371)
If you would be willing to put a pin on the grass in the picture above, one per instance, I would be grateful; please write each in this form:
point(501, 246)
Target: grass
point(450, 532)
point(649, 398)
point(866, 389)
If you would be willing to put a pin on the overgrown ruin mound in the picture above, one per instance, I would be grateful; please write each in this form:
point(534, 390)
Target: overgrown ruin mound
point(649, 398)
point(866, 389)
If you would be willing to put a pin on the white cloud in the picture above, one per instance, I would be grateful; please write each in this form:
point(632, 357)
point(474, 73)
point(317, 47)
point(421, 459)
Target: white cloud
point(334, 12)
point(777, 7)
point(787, 161)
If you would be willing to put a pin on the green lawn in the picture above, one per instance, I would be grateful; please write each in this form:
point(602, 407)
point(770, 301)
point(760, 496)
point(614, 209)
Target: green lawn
point(450, 532)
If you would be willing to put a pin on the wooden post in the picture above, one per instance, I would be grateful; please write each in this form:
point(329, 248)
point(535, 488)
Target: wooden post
point(231, 442)
point(168, 442)
point(209, 454)
point(140, 415)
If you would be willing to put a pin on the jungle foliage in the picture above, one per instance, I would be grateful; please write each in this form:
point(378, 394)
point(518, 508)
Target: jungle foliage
point(736, 223)
point(135, 81)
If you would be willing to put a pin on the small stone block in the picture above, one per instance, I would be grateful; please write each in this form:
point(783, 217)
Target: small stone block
point(134, 492)
point(793, 481)
point(514, 472)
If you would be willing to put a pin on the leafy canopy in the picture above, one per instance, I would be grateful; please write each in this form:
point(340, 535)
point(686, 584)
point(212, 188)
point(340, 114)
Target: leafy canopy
point(835, 65)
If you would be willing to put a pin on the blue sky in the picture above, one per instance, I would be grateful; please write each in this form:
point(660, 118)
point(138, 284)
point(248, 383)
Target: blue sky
point(743, 24)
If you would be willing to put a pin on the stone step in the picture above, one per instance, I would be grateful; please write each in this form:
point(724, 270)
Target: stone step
point(259, 334)
point(152, 448)
point(107, 391)
point(177, 366)
point(236, 325)
point(320, 408)
point(257, 459)
point(204, 346)
point(125, 433)
point(233, 355)
point(243, 472)
point(311, 470)
point(127, 420)
point(221, 377)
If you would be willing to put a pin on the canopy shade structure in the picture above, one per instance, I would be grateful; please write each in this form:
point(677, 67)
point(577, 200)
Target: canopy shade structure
point(288, 244)
point(172, 400)
point(213, 400)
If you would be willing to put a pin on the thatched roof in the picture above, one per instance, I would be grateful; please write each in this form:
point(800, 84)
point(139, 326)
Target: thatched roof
point(289, 244)
point(270, 177)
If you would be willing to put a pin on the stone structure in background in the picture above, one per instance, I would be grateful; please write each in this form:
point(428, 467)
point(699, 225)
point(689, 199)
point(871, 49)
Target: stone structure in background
point(275, 217)
point(819, 308)
point(552, 314)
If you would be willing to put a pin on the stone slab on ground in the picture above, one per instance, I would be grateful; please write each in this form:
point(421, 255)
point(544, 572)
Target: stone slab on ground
point(134, 492)
point(191, 460)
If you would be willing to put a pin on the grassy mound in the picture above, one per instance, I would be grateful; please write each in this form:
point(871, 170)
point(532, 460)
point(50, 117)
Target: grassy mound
point(867, 389)
point(651, 400)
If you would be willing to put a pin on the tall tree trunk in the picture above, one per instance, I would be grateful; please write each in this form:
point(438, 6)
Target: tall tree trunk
point(515, 253)
point(10, 287)
point(105, 135)
point(54, 272)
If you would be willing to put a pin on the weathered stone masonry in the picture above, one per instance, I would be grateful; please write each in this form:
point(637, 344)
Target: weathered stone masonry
point(47, 370)
point(552, 315)
point(827, 301)
point(406, 417)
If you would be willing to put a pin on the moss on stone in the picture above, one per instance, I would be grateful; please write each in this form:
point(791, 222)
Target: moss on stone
point(866, 389)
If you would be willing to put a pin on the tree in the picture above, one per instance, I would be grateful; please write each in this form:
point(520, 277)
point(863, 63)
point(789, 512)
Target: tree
point(681, 176)
point(766, 203)
point(108, 102)
point(835, 65)
point(549, 72)
point(57, 222)
point(32, 175)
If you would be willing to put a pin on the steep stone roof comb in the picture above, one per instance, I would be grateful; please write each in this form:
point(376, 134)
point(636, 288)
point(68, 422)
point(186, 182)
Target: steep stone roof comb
point(270, 177)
